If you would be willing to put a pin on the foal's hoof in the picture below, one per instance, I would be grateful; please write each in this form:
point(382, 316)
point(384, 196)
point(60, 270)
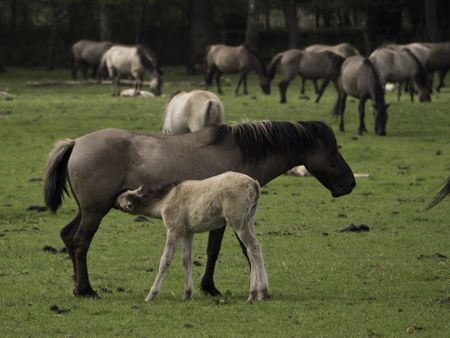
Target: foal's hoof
point(86, 293)
point(264, 295)
point(150, 297)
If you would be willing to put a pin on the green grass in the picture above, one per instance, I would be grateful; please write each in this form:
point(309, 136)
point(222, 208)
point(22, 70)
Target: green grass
point(325, 283)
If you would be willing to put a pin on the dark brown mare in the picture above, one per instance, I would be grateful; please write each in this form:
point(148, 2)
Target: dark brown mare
point(241, 59)
point(85, 54)
point(101, 165)
point(360, 79)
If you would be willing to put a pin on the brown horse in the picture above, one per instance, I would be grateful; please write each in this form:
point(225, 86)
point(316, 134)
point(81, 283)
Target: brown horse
point(360, 79)
point(324, 65)
point(439, 61)
point(85, 54)
point(241, 59)
point(101, 165)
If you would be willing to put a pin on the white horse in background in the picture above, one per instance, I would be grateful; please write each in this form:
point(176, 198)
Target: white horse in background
point(191, 111)
point(199, 206)
point(134, 60)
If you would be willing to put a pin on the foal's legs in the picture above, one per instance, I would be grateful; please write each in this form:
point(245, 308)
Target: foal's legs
point(362, 126)
point(171, 244)
point(214, 243)
point(187, 263)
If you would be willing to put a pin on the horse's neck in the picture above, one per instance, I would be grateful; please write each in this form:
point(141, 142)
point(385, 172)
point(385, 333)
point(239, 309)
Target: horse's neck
point(375, 88)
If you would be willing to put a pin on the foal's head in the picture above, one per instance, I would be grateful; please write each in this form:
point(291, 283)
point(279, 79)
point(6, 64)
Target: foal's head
point(130, 200)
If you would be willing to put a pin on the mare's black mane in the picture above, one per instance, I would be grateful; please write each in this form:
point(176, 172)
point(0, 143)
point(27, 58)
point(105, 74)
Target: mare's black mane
point(257, 140)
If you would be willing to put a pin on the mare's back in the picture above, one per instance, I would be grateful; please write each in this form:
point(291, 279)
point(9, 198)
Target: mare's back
point(228, 59)
point(354, 76)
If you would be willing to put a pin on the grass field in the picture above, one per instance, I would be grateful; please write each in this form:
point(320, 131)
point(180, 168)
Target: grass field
point(392, 281)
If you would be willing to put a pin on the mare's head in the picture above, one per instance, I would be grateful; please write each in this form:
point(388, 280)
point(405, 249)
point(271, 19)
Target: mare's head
point(260, 68)
point(156, 82)
point(421, 78)
point(323, 159)
point(381, 117)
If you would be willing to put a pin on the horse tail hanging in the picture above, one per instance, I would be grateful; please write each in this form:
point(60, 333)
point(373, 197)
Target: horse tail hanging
point(209, 118)
point(56, 174)
point(102, 71)
point(422, 74)
point(272, 67)
point(145, 59)
point(440, 195)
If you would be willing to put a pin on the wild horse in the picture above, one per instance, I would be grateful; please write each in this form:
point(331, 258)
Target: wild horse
point(101, 165)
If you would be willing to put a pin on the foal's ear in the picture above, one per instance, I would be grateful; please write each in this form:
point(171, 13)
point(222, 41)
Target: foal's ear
point(140, 192)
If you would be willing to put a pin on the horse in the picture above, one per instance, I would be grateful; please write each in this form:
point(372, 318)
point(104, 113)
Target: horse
point(241, 59)
point(402, 65)
point(197, 206)
point(191, 111)
point(86, 53)
point(343, 49)
point(360, 79)
point(439, 60)
point(324, 65)
point(134, 60)
point(101, 165)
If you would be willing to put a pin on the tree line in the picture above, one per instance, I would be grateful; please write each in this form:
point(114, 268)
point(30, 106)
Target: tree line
point(40, 32)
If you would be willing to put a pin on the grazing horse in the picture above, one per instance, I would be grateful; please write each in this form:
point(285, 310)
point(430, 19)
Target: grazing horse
point(101, 165)
point(324, 65)
point(86, 53)
point(402, 65)
point(439, 60)
point(134, 60)
point(360, 79)
point(343, 49)
point(198, 206)
point(241, 59)
point(192, 111)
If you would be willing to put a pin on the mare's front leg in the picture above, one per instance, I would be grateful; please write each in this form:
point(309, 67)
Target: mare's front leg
point(283, 87)
point(166, 259)
point(302, 86)
point(411, 89)
point(241, 79)
point(90, 221)
point(187, 263)
point(342, 100)
point(361, 108)
point(214, 243)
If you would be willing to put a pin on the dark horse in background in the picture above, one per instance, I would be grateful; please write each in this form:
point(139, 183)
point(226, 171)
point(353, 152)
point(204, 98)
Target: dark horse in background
point(101, 165)
point(88, 54)
point(243, 59)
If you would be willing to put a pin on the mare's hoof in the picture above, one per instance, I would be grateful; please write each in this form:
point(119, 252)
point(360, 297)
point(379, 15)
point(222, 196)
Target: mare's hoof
point(210, 290)
point(86, 293)
point(265, 296)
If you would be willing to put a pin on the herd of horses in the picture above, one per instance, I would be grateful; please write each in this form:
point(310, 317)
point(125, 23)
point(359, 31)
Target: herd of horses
point(189, 190)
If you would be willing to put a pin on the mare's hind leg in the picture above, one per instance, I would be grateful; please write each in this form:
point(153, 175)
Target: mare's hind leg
point(361, 108)
point(67, 234)
point(166, 258)
point(341, 110)
point(441, 77)
point(214, 243)
point(322, 89)
point(245, 84)
point(81, 241)
point(411, 90)
point(218, 75)
point(283, 87)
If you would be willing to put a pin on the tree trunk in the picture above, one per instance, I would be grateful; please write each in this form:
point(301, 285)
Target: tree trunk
point(252, 31)
point(203, 32)
point(105, 22)
point(290, 16)
point(142, 9)
point(53, 32)
point(431, 20)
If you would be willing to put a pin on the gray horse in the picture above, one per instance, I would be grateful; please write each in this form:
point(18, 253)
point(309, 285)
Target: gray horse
point(343, 49)
point(101, 165)
point(439, 61)
point(324, 65)
point(402, 65)
point(241, 59)
point(85, 54)
point(360, 79)
point(134, 60)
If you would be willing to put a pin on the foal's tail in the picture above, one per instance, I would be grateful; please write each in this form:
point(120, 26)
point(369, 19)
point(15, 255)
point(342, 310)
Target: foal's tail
point(213, 114)
point(56, 174)
point(272, 67)
point(253, 193)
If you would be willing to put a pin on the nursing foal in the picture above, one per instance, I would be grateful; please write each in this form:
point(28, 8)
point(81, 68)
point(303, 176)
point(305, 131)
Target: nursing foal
point(198, 206)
